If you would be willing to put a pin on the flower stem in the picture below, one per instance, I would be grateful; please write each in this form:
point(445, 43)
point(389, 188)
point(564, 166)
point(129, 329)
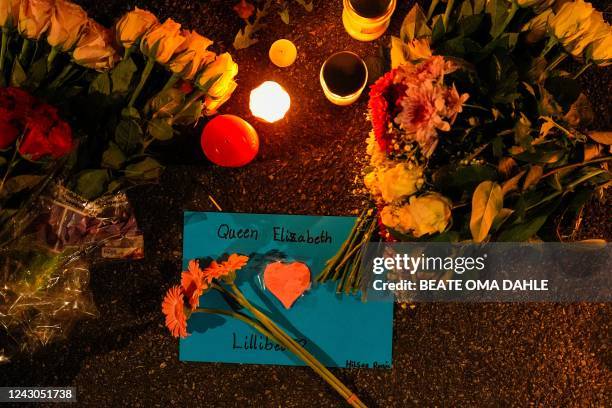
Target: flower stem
point(171, 81)
point(51, 57)
point(302, 353)
point(143, 80)
point(582, 70)
point(5, 41)
point(560, 58)
point(25, 49)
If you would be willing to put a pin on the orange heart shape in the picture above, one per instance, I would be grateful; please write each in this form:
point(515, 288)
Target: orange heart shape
point(287, 281)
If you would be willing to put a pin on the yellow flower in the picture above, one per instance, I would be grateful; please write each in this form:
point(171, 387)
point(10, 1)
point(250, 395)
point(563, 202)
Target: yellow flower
point(34, 17)
point(95, 48)
point(211, 105)
point(132, 26)
point(9, 13)
point(427, 214)
point(162, 41)
point(576, 25)
point(193, 55)
point(67, 22)
point(218, 77)
point(601, 52)
point(399, 181)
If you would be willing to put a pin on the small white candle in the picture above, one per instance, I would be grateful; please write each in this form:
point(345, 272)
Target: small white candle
point(269, 102)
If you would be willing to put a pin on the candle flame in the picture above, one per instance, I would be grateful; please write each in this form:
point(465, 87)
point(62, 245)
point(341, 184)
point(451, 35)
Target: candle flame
point(269, 101)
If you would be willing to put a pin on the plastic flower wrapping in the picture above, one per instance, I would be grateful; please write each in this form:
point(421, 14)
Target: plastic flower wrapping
point(82, 109)
point(479, 133)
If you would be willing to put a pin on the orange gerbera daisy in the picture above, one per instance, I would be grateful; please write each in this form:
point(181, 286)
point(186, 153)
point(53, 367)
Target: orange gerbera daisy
point(192, 281)
point(215, 270)
point(173, 307)
point(235, 262)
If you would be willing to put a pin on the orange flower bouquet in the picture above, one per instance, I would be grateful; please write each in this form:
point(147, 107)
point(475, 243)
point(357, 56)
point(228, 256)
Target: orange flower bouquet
point(184, 299)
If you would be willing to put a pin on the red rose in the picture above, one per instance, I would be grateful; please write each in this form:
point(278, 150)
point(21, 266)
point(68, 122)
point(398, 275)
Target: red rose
point(45, 135)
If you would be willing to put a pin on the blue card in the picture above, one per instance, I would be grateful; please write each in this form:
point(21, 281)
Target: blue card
point(340, 330)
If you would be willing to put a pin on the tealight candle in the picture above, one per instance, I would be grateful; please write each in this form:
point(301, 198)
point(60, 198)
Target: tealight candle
point(269, 102)
point(366, 20)
point(343, 77)
point(282, 53)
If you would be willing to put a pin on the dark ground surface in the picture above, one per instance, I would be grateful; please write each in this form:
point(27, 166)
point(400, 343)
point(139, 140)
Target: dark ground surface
point(444, 354)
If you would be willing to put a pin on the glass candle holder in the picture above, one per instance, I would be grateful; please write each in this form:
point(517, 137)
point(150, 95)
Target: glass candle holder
point(343, 77)
point(366, 20)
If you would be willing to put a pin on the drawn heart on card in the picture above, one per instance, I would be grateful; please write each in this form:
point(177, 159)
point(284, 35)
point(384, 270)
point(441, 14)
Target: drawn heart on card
point(287, 281)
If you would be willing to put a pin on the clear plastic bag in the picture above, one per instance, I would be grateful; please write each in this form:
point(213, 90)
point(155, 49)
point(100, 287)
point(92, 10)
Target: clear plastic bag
point(45, 257)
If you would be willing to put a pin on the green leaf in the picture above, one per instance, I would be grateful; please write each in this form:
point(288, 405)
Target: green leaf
point(122, 74)
point(190, 115)
point(37, 72)
point(101, 84)
point(19, 183)
point(128, 135)
point(307, 6)
point(18, 75)
point(501, 218)
point(414, 25)
point(540, 155)
point(160, 129)
point(146, 170)
point(498, 10)
point(462, 178)
point(284, 15)
point(523, 231)
point(522, 132)
point(438, 30)
point(166, 103)
point(113, 157)
point(92, 183)
point(469, 24)
point(487, 203)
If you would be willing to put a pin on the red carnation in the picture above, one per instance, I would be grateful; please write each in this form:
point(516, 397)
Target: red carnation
point(384, 104)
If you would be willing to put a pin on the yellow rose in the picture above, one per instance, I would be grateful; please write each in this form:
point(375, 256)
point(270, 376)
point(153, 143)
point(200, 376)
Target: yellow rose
point(193, 55)
point(9, 13)
point(389, 217)
point(601, 52)
point(67, 23)
point(162, 41)
point(95, 48)
point(133, 25)
point(428, 214)
point(34, 17)
point(400, 181)
point(218, 77)
point(212, 104)
point(576, 25)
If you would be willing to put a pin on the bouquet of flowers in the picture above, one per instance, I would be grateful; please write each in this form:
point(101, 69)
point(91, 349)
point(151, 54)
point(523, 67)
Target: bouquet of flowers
point(477, 133)
point(81, 107)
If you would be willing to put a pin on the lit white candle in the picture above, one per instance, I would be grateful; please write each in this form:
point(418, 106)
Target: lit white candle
point(269, 102)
